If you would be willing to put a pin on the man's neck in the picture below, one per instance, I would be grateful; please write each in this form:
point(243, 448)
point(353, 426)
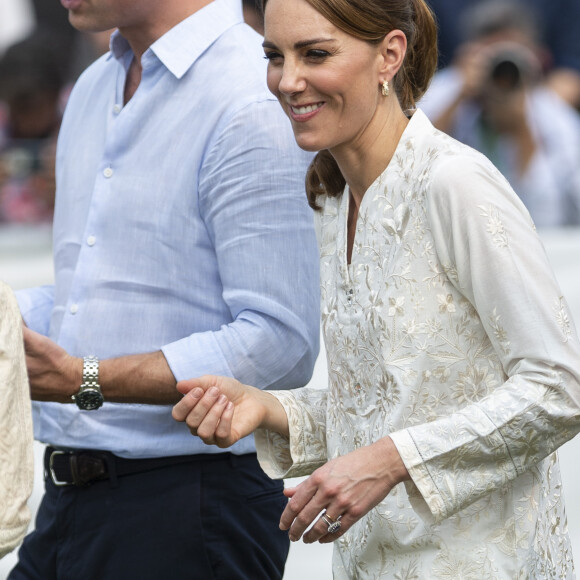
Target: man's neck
point(132, 80)
point(140, 37)
point(171, 13)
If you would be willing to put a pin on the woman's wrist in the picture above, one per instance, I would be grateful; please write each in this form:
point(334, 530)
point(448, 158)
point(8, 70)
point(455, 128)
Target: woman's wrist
point(274, 416)
point(391, 459)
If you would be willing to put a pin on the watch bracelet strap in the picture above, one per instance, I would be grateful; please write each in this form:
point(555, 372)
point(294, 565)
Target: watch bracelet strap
point(90, 372)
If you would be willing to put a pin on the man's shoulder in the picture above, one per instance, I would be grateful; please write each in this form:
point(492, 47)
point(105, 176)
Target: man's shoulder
point(238, 55)
point(235, 71)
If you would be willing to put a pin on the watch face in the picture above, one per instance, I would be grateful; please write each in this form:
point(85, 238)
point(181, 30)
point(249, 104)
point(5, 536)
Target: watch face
point(89, 399)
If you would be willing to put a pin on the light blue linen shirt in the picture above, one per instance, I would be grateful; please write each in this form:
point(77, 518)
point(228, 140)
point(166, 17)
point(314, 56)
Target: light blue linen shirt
point(181, 224)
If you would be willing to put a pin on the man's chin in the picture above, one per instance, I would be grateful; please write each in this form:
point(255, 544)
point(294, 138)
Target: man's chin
point(71, 4)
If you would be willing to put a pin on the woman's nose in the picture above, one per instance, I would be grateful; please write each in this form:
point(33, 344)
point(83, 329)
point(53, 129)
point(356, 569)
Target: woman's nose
point(292, 80)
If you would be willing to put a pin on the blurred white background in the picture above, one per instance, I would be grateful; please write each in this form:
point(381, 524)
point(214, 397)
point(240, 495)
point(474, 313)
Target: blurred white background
point(16, 20)
point(25, 260)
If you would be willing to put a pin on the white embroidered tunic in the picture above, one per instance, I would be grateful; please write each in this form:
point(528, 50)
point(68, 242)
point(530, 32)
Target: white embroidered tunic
point(449, 333)
point(16, 456)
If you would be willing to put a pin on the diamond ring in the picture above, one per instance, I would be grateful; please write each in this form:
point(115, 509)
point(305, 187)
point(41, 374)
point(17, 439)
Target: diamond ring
point(333, 525)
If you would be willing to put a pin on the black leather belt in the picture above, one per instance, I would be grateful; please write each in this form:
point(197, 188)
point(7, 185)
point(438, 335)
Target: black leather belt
point(84, 467)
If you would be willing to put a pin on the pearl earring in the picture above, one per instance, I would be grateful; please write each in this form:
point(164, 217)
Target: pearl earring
point(385, 89)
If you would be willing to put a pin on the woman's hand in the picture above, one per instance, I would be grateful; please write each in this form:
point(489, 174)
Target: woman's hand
point(221, 410)
point(348, 486)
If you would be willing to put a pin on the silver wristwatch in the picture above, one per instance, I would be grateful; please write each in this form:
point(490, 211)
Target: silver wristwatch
point(89, 396)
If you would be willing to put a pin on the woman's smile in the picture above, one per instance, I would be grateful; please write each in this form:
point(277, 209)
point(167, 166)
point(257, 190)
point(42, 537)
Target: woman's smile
point(301, 113)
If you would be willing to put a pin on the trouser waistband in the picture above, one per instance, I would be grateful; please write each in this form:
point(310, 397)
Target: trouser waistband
point(82, 467)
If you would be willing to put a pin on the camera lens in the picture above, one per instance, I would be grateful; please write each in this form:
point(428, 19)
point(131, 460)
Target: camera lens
point(506, 74)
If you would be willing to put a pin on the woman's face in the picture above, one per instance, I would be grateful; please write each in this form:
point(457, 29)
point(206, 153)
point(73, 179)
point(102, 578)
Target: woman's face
point(326, 80)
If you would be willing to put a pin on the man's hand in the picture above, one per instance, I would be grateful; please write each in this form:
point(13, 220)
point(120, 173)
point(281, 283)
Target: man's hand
point(54, 375)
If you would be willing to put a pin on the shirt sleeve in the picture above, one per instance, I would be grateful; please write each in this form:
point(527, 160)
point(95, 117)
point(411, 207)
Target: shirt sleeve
point(16, 456)
point(306, 450)
point(485, 239)
point(36, 307)
point(253, 204)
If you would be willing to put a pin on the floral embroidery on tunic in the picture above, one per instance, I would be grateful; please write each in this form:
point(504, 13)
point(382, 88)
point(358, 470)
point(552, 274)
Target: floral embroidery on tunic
point(432, 338)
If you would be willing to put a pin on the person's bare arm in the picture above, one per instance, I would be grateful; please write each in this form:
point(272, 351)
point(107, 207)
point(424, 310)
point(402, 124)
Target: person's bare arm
point(56, 376)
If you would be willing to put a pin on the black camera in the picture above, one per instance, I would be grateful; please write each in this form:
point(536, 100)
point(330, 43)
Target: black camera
point(513, 67)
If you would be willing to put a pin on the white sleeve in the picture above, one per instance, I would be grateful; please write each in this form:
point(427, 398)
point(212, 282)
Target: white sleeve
point(484, 233)
point(16, 455)
point(306, 450)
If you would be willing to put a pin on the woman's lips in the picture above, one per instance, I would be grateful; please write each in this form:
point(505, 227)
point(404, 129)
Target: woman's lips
point(306, 111)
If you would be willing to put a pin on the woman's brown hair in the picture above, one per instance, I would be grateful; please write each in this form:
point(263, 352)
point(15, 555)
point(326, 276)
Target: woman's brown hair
point(371, 21)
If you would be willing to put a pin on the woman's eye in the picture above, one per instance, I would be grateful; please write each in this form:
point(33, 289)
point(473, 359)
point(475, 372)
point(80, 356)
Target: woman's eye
point(317, 53)
point(271, 55)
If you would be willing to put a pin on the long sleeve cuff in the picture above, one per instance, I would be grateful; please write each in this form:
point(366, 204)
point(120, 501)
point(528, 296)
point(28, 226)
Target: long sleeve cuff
point(297, 456)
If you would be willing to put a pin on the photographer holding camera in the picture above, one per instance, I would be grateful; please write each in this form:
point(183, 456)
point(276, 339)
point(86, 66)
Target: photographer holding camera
point(493, 97)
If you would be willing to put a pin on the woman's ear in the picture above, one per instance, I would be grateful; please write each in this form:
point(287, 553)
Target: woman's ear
point(392, 50)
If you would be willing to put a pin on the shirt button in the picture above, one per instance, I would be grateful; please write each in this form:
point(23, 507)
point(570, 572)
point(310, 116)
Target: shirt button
point(108, 172)
point(74, 308)
point(117, 109)
point(91, 240)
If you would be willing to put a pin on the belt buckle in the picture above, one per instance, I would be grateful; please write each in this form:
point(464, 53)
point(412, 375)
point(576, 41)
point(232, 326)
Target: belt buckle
point(56, 482)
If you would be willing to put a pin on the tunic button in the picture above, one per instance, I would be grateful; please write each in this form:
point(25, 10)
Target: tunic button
point(349, 294)
point(74, 308)
point(108, 172)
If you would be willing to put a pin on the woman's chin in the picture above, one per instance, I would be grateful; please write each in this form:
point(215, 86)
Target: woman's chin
point(309, 144)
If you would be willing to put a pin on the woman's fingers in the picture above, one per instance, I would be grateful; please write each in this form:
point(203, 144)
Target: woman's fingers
point(347, 486)
point(182, 409)
point(214, 420)
point(224, 435)
point(203, 418)
point(208, 415)
point(328, 528)
point(302, 509)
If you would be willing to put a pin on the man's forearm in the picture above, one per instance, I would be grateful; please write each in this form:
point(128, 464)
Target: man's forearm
point(138, 378)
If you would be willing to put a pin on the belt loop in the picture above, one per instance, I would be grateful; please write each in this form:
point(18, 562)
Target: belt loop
point(112, 469)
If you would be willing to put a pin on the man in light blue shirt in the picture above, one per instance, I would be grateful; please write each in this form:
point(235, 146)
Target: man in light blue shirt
point(183, 245)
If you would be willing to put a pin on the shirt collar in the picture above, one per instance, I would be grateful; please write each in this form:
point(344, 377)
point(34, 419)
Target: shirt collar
point(181, 46)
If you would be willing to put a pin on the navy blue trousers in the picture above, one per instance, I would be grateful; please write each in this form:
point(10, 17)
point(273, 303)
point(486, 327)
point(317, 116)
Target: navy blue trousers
point(213, 518)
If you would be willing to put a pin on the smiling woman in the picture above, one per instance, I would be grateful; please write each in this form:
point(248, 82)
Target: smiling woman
point(453, 366)
point(330, 54)
point(320, 75)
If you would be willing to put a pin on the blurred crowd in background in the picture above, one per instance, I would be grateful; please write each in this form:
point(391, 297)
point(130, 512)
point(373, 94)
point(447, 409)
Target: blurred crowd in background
point(508, 85)
point(41, 55)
